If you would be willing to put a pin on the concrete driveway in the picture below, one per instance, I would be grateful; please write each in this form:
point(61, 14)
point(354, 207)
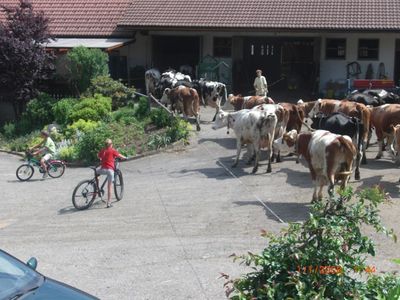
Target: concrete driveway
point(183, 214)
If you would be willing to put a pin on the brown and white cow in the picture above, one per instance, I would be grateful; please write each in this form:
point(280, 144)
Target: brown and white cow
point(185, 100)
point(282, 115)
point(240, 102)
point(329, 157)
point(305, 107)
point(352, 109)
point(395, 146)
point(383, 119)
point(254, 128)
point(296, 116)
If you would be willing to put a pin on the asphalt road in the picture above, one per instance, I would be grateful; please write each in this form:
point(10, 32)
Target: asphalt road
point(183, 214)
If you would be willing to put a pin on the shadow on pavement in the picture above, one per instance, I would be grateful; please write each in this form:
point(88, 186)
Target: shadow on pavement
point(227, 143)
point(99, 204)
point(379, 164)
point(288, 212)
point(297, 178)
point(30, 180)
point(389, 187)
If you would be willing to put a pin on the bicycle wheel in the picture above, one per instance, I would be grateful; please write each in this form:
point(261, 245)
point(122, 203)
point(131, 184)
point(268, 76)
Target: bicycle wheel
point(24, 172)
point(118, 185)
point(84, 194)
point(56, 169)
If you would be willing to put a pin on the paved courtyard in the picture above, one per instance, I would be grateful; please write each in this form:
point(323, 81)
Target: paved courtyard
point(183, 214)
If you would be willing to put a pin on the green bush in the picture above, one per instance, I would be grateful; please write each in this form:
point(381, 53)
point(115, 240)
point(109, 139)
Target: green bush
point(82, 126)
point(320, 258)
point(86, 64)
point(68, 153)
point(39, 110)
point(92, 142)
point(142, 108)
point(38, 113)
point(9, 130)
point(161, 118)
point(120, 94)
point(94, 109)
point(157, 141)
point(22, 143)
point(62, 109)
point(179, 129)
point(125, 115)
point(128, 151)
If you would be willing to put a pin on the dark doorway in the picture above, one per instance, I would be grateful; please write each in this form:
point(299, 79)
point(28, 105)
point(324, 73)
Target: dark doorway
point(264, 54)
point(289, 64)
point(396, 74)
point(175, 51)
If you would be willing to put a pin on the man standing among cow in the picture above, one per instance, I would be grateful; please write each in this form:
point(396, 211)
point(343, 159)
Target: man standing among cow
point(260, 84)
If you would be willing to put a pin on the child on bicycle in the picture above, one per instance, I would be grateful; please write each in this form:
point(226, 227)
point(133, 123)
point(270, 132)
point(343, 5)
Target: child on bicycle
point(107, 157)
point(46, 148)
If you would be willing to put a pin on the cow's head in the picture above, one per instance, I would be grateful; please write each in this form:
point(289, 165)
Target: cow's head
point(221, 119)
point(232, 99)
point(316, 109)
point(287, 143)
point(165, 96)
point(395, 146)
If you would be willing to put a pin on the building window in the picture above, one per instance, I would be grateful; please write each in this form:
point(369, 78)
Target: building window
point(222, 47)
point(335, 49)
point(368, 49)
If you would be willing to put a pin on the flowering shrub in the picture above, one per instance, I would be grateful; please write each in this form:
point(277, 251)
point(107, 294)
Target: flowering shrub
point(295, 264)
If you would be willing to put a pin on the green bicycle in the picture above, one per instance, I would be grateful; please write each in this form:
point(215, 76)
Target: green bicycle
point(55, 168)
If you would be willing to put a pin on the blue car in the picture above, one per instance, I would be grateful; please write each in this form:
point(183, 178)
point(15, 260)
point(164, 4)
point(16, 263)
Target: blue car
point(21, 281)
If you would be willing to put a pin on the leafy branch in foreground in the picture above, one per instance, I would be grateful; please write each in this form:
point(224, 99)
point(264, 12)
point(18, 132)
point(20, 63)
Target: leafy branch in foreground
point(322, 258)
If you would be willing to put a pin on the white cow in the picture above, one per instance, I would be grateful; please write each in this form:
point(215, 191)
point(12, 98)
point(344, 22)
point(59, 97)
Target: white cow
point(156, 83)
point(282, 115)
point(252, 128)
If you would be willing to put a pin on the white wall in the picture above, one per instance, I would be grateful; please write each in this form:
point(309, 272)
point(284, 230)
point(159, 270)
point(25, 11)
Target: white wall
point(139, 53)
point(335, 69)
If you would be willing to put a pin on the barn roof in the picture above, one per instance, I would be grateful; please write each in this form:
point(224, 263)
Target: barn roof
point(355, 15)
point(105, 18)
point(79, 18)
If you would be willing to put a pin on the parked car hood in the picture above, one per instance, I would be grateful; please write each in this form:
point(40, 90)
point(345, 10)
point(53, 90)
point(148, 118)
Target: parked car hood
point(52, 289)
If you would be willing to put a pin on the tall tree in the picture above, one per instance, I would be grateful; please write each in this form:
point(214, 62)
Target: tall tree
point(24, 61)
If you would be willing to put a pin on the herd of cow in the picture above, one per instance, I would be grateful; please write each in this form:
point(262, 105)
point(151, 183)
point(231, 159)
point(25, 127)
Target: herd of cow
point(332, 146)
point(180, 92)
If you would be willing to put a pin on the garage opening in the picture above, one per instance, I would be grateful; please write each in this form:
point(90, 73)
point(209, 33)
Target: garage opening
point(176, 51)
point(289, 64)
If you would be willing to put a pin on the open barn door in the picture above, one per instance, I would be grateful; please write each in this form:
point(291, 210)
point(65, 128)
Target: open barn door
point(175, 51)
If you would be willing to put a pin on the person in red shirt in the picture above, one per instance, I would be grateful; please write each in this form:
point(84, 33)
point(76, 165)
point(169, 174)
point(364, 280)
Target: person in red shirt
point(107, 156)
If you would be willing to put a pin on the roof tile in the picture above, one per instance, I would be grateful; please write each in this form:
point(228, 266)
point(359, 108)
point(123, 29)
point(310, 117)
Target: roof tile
point(264, 14)
point(79, 17)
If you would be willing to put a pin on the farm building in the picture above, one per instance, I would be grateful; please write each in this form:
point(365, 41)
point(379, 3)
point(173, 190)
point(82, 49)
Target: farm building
point(305, 47)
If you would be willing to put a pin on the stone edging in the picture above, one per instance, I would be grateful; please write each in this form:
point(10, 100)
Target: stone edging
point(178, 145)
point(21, 154)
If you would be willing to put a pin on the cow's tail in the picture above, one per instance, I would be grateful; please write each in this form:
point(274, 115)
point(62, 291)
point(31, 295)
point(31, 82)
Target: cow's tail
point(347, 146)
point(195, 102)
point(300, 115)
point(360, 132)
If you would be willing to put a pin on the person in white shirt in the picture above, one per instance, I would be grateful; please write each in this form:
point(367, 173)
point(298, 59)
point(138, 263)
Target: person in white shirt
point(260, 84)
